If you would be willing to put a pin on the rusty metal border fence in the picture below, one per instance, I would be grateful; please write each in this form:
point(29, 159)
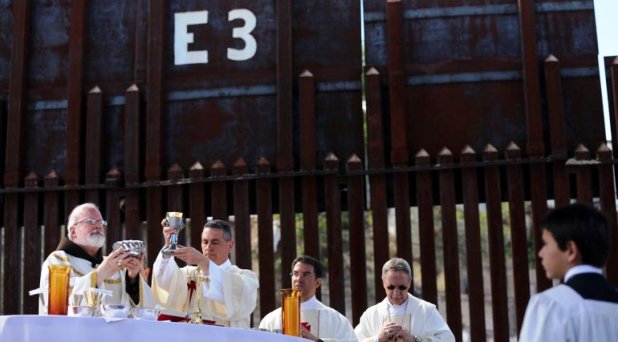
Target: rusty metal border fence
point(39, 204)
point(351, 188)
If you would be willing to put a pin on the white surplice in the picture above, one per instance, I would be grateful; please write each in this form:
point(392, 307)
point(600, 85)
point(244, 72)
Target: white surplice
point(83, 278)
point(326, 323)
point(561, 314)
point(228, 295)
point(419, 317)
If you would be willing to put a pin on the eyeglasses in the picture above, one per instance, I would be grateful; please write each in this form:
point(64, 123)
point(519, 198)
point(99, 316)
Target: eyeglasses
point(400, 287)
point(299, 274)
point(92, 221)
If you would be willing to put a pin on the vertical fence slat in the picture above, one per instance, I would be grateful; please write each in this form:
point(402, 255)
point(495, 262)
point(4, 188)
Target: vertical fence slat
point(284, 86)
point(15, 142)
point(265, 238)
point(332, 201)
point(607, 194)
point(401, 192)
point(174, 192)
point(11, 253)
point(583, 175)
point(519, 244)
point(535, 147)
point(538, 199)
point(399, 140)
point(449, 244)
point(32, 243)
point(424, 195)
point(358, 259)
point(497, 263)
point(51, 209)
point(74, 101)
point(197, 203)
point(288, 228)
point(218, 191)
point(377, 182)
point(557, 129)
point(470, 191)
point(285, 138)
point(157, 12)
point(93, 156)
point(241, 216)
point(17, 93)
point(175, 195)
point(132, 157)
point(307, 163)
point(531, 83)
point(112, 205)
point(154, 200)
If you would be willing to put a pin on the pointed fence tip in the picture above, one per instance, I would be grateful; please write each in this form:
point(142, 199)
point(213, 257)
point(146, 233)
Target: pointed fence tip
point(468, 150)
point(197, 166)
point(331, 157)
point(218, 165)
point(240, 162)
point(263, 161)
point(372, 71)
point(354, 159)
point(551, 58)
point(51, 174)
point(422, 153)
point(445, 152)
point(489, 148)
point(512, 146)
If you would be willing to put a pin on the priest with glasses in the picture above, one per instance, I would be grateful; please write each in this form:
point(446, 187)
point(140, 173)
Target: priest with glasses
point(401, 316)
point(81, 250)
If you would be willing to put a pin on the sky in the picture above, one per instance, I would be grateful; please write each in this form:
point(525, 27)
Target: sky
point(607, 37)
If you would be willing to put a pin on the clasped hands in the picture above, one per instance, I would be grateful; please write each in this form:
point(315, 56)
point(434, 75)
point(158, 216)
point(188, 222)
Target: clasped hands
point(394, 332)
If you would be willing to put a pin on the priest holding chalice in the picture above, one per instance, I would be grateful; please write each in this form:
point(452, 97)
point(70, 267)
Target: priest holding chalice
point(209, 285)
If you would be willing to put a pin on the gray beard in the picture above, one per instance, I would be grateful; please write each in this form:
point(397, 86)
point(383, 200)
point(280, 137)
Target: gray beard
point(94, 240)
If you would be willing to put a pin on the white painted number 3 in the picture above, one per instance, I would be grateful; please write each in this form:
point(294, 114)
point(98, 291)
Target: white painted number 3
point(182, 37)
point(243, 33)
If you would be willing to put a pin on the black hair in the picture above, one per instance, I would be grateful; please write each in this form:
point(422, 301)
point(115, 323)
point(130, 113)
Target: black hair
point(585, 226)
point(318, 269)
point(223, 225)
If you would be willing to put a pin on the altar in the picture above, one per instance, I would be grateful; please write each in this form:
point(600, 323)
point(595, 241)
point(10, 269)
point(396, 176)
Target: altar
point(34, 328)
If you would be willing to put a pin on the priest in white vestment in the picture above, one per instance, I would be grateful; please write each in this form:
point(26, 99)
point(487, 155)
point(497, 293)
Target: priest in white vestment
point(401, 316)
point(228, 294)
point(320, 322)
point(585, 307)
point(81, 251)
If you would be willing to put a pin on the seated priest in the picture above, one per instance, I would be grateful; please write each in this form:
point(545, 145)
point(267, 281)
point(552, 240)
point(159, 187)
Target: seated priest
point(321, 323)
point(401, 316)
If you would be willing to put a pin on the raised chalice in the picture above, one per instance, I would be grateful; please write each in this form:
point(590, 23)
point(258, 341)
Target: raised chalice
point(173, 219)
